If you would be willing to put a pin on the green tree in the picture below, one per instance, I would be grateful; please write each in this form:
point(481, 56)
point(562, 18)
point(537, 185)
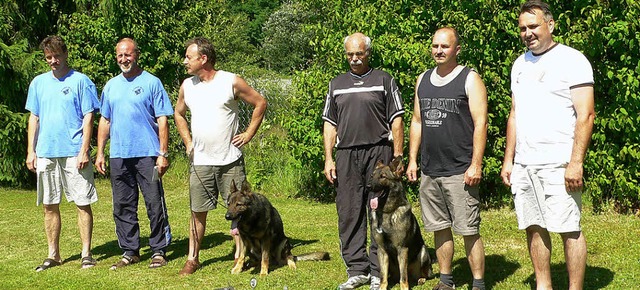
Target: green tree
point(286, 44)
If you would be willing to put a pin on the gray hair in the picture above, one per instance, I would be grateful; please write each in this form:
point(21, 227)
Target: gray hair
point(367, 41)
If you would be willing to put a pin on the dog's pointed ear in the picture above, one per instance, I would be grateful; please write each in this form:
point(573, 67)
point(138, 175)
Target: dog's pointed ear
point(397, 166)
point(379, 164)
point(246, 188)
point(233, 187)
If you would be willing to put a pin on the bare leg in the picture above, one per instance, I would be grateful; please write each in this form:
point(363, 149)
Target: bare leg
point(444, 249)
point(197, 226)
point(539, 243)
point(475, 254)
point(575, 254)
point(85, 224)
point(52, 225)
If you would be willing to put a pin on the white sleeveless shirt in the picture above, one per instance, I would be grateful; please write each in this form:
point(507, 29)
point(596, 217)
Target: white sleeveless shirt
point(214, 118)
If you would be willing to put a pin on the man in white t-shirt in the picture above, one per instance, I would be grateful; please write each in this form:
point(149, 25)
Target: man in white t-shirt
point(548, 132)
point(213, 144)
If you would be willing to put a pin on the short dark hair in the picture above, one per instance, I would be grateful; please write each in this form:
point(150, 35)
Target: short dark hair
point(205, 47)
point(531, 5)
point(53, 43)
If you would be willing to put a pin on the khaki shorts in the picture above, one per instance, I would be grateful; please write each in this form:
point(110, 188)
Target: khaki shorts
point(206, 181)
point(56, 175)
point(447, 202)
point(541, 198)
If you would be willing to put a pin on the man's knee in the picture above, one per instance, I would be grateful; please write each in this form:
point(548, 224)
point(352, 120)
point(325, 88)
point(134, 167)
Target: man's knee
point(52, 208)
point(84, 209)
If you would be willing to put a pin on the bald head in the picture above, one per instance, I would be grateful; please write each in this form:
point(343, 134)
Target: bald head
point(127, 54)
point(449, 30)
point(445, 47)
point(129, 43)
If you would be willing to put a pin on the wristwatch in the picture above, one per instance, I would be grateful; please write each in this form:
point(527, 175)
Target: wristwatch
point(164, 154)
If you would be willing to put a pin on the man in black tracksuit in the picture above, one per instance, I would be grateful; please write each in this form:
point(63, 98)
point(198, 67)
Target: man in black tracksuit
point(363, 121)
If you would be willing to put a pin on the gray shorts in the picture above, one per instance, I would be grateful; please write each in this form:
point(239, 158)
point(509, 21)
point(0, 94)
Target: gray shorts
point(56, 175)
point(541, 198)
point(448, 202)
point(207, 181)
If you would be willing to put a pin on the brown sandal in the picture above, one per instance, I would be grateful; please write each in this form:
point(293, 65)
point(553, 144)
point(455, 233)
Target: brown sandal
point(157, 260)
point(125, 261)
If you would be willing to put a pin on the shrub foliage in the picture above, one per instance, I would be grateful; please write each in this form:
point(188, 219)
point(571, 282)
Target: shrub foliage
point(605, 31)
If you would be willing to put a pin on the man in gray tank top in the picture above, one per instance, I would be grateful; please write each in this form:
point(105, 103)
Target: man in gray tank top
point(449, 129)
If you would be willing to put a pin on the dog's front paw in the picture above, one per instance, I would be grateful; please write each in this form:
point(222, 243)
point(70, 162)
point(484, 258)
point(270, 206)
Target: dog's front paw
point(292, 264)
point(237, 268)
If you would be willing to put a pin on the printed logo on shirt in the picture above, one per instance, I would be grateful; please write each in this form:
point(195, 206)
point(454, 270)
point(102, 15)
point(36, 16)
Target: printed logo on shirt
point(66, 90)
point(434, 110)
point(138, 90)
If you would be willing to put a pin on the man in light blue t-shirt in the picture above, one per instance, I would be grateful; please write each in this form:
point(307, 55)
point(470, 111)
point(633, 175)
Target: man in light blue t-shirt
point(62, 102)
point(134, 113)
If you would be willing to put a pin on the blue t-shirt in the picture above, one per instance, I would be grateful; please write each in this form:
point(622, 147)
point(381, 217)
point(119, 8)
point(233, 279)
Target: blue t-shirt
point(60, 105)
point(132, 106)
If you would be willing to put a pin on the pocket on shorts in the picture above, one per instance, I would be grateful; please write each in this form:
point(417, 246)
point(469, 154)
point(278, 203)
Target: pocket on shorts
point(552, 176)
point(473, 211)
point(553, 182)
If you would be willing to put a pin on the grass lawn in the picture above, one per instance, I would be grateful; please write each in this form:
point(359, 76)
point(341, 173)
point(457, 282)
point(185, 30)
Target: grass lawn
point(613, 247)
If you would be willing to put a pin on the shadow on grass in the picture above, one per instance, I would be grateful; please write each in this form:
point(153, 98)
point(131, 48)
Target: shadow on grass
point(178, 248)
point(253, 265)
point(104, 251)
point(297, 242)
point(497, 269)
point(111, 249)
point(595, 277)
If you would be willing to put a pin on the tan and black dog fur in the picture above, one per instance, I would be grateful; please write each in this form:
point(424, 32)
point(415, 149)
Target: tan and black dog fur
point(401, 249)
point(261, 231)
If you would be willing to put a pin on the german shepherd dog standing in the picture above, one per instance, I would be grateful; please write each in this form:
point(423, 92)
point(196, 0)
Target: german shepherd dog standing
point(261, 231)
point(401, 248)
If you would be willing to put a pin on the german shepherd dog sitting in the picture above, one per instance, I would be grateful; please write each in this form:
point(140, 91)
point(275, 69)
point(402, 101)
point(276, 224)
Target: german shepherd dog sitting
point(261, 231)
point(401, 248)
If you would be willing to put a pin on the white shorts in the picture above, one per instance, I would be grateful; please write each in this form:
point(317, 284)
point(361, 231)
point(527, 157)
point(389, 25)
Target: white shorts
point(541, 198)
point(56, 175)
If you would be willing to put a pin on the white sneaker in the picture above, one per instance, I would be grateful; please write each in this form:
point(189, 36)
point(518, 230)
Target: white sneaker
point(355, 281)
point(375, 283)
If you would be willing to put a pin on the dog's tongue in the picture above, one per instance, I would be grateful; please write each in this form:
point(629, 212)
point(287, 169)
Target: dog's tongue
point(373, 203)
point(234, 227)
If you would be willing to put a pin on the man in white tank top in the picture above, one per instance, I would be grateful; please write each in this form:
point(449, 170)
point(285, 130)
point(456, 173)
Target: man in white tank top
point(214, 143)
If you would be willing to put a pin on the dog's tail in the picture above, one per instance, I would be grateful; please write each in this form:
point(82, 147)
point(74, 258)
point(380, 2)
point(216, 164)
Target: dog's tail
point(315, 256)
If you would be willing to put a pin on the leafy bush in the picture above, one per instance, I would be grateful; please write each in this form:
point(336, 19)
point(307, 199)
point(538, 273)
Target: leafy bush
point(13, 148)
point(607, 33)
